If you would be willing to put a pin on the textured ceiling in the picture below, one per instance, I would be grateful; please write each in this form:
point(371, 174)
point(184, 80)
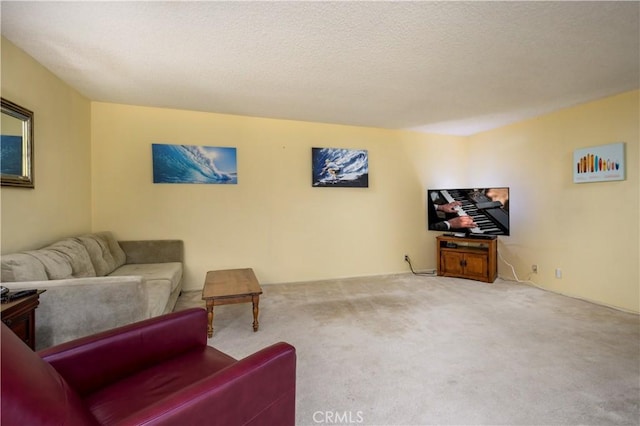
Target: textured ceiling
point(442, 67)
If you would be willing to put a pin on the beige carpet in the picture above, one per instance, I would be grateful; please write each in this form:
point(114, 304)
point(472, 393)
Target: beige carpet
point(420, 350)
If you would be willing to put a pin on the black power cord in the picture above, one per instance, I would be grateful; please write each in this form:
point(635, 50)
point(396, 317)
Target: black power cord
point(406, 259)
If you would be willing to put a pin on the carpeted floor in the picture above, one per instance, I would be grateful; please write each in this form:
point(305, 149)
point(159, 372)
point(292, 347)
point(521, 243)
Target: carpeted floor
point(420, 350)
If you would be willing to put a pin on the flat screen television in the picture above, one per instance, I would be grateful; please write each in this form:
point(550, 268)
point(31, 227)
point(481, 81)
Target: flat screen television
point(469, 211)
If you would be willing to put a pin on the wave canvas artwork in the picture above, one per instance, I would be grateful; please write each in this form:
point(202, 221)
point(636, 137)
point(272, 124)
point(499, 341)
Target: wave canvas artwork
point(11, 155)
point(194, 164)
point(337, 167)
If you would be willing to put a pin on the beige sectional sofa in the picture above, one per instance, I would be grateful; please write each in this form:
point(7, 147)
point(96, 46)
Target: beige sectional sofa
point(94, 283)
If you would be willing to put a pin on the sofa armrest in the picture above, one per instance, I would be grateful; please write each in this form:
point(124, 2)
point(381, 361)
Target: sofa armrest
point(94, 361)
point(72, 308)
point(153, 251)
point(257, 390)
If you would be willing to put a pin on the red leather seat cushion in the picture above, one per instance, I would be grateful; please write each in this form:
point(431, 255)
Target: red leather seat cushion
point(114, 403)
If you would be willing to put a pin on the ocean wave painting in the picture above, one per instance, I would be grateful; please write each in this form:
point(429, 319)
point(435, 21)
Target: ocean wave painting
point(194, 164)
point(11, 155)
point(337, 167)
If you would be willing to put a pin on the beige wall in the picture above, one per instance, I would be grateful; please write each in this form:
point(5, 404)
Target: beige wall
point(590, 231)
point(273, 220)
point(60, 203)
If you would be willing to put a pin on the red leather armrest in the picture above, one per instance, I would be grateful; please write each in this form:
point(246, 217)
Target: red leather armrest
point(258, 390)
point(92, 362)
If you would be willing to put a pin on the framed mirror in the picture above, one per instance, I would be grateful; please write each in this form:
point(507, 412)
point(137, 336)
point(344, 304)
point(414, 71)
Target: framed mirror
point(16, 145)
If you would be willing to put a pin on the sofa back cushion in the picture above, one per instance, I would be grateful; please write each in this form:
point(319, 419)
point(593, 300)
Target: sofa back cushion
point(64, 259)
point(56, 264)
point(33, 393)
point(104, 251)
point(91, 255)
point(22, 267)
point(77, 255)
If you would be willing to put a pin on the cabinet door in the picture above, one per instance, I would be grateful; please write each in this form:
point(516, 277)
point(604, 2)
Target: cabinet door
point(475, 265)
point(452, 262)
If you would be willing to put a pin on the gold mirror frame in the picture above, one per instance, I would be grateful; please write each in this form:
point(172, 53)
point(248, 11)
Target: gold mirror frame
point(16, 146)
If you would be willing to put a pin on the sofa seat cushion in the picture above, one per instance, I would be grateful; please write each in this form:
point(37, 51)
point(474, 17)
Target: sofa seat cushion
point(161, 279)
point(113, 404)
point(170, 271)
point(158, 295)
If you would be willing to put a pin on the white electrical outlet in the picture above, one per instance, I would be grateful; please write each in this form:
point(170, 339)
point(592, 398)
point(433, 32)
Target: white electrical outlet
point(558, 273)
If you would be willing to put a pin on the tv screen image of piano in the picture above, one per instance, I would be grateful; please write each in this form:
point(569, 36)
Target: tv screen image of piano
point(475, 211)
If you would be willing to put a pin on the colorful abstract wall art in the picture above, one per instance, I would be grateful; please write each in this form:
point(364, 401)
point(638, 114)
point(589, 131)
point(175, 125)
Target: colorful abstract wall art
point(599, 163)
point(194, 164)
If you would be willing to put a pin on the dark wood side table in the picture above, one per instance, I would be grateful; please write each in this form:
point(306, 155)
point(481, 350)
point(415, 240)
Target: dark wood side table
point(19, 316)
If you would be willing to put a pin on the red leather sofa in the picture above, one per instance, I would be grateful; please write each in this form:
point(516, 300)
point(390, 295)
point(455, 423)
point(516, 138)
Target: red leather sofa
point(156, 372)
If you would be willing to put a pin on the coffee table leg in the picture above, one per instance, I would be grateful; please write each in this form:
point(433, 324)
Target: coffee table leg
point(210, 318)
point(256, 302)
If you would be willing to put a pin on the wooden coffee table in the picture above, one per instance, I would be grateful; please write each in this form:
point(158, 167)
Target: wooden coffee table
point(231, 286)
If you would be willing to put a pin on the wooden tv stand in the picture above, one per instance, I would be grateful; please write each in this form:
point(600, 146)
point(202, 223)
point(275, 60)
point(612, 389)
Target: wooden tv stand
point(472, 258)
